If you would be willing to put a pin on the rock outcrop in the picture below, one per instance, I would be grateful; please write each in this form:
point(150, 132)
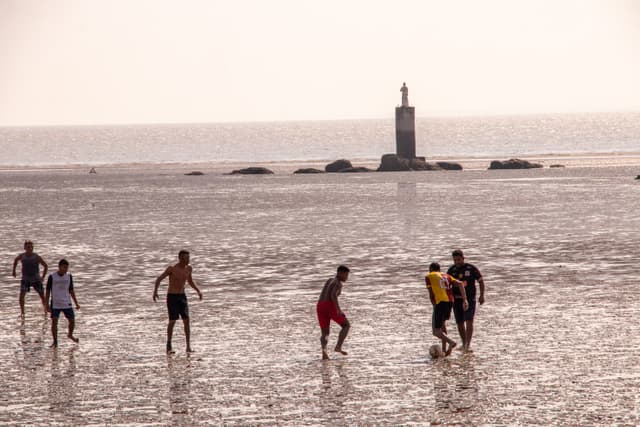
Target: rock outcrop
point(194, 173)
point(355, 169)
point(338, 165)
point(514, 164)
point(309, 170)
point(254, 170)
point(450, 166)
point(556, 166)
point(393, 163)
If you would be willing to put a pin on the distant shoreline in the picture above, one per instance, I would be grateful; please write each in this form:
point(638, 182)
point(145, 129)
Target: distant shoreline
point(283, 167)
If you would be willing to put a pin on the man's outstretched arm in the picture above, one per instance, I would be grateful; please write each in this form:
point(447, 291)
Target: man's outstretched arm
point(160, 278)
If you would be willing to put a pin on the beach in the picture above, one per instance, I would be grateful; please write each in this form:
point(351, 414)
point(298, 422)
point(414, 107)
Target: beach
point(554, 344)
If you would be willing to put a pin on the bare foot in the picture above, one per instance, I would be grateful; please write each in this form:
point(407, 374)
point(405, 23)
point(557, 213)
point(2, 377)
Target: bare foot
point(169, 349)
point(451, 347)
point(74, 339)
point(190, 350)
point(55, 344)
point(325, 356)
point(341, 351)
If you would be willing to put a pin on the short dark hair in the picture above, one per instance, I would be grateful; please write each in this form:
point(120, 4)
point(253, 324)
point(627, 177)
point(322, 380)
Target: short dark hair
point(434, 266)
point(457, 252)
point(183, 252)
point(343, 269)
point(28, 242)
point(63, 262)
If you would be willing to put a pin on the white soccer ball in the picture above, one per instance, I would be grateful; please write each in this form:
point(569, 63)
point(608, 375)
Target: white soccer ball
point(435, 351)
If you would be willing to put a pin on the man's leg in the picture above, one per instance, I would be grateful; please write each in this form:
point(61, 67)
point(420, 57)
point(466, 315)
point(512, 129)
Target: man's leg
point(21, 299)
point(187, 333)
point(438, 332)
point(324, 340)
point(44, 303)
point(54, 331)
point(170, 335)
point(72, 325)
point(469, 334)
point(463, 333)
point(343, 334)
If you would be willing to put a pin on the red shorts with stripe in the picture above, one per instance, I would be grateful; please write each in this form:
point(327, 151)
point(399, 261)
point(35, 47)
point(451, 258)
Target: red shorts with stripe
point(328, 311)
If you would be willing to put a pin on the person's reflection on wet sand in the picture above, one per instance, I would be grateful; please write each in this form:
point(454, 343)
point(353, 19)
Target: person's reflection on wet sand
point(32, 348)
point(455, 387)
point(179, 376)
point(334, 391)
point(62, 390)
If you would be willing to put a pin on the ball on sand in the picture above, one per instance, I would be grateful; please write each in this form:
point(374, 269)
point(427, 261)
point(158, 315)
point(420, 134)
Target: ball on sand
point(435, 351)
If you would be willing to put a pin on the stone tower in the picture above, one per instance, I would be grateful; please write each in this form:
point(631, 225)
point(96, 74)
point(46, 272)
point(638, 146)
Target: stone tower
point(405, 127)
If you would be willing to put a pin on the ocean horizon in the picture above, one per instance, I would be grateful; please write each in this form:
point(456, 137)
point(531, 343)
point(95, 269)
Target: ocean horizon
point(364, 140)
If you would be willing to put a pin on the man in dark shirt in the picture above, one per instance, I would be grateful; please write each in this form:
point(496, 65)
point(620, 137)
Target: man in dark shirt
point(469, 274)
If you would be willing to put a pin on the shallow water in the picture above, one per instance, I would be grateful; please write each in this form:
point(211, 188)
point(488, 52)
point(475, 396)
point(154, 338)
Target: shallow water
point(555, 343)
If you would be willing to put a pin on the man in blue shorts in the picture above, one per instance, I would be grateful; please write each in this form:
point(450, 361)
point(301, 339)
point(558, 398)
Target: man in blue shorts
point(468, 274)
point(60, 289)
point(31, 277)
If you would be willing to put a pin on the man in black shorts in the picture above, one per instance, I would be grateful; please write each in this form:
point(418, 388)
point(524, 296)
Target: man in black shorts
point(464, 318)
point(179, 275)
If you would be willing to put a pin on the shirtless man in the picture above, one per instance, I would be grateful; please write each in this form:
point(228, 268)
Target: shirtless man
point(31, 277)
point(328, 309)
point(179, 275)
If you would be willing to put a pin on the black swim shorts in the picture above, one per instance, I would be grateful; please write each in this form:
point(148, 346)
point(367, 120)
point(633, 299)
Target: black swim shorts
point(177, 306)
point(460, 313)
point(441, 313)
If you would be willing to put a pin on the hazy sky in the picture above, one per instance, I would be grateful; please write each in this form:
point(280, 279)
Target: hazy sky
point(132, 61)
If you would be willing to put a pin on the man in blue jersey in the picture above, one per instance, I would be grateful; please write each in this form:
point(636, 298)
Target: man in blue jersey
point(468, 274)
point(31, 277)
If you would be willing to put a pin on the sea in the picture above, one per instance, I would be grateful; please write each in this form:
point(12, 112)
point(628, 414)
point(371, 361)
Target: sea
point(555, 342)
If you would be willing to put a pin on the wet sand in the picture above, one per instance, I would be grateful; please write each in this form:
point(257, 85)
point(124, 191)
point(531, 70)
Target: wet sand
point(555, 343)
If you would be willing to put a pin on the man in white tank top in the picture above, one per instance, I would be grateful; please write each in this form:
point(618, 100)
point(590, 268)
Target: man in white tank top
point(60, 290)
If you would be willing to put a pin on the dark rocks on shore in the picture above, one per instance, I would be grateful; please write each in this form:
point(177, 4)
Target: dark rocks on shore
point(638, 177)
point(514, 164)
point(394, 163)
point(355, 169)
point(309, 170)
point(556, 166)
point(194, 173)
point(254, 170)
point(450, 166)
point(338, 165)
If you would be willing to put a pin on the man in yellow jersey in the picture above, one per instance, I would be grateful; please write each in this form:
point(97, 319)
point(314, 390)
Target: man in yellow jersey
point(441, 295)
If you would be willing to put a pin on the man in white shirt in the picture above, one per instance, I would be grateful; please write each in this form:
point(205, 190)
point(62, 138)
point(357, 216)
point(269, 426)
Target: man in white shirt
point(60, 290)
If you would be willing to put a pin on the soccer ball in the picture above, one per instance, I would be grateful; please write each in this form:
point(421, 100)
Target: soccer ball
point(435, 351)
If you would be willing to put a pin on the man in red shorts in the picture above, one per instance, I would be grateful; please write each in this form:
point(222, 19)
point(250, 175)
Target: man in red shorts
point(328, 309)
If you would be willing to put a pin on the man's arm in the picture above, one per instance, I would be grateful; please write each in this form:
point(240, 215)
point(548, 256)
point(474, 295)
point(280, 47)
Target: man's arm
point(44, 266)
point(333, 295)
point(193, 284)
point(15, 263)
point(160, 278)
point(48, 293)
point(72, 293)
point(481, 283)
point(460, 285)
point(432, 297)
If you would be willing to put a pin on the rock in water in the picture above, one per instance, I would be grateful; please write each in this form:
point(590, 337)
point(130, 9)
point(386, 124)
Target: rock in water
point(194, 173)
point(254, 170)
point(356, 169)
point(309, 170)
point(514, 164)
point(450, 166)
point(338, 165)
point(393, 163)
